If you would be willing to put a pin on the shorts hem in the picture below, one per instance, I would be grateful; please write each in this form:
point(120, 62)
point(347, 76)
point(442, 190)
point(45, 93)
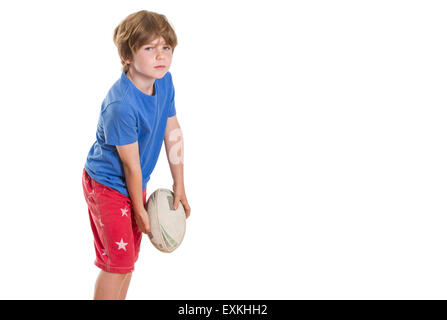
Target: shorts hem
point(113, 269)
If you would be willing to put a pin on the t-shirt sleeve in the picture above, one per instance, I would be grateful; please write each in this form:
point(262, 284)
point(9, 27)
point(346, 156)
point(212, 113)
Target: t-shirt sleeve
point(171, 107)
point(119, 124)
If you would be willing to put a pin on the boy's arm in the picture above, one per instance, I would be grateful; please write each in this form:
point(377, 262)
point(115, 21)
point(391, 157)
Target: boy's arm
point(130, 157)
point(174, 150)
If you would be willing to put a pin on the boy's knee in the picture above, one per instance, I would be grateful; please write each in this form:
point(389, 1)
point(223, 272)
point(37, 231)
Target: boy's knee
point(124, 275)
point(117, 274)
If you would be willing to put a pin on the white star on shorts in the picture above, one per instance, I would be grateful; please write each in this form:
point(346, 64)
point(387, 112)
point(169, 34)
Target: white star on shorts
point(100, 223)
point(124, 212)
point(121, 245)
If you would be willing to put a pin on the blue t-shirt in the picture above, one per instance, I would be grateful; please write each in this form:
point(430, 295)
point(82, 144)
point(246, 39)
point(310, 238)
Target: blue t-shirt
point(127, 115)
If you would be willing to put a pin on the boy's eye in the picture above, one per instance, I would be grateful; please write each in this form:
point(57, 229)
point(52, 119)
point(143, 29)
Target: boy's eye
point(169, 48)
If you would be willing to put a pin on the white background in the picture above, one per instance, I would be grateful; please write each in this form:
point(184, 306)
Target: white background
point(315, 148)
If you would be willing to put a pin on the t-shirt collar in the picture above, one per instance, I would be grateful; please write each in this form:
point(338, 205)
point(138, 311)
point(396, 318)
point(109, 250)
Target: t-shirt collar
point(125, 79)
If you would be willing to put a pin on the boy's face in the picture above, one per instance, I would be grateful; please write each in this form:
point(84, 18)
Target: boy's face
point(151, 55)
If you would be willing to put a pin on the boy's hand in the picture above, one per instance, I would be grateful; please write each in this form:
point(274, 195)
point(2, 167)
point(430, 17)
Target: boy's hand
point(142, 220)
point(179, 195)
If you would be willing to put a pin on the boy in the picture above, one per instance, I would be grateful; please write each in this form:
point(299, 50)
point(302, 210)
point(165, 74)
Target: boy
point(137, 114)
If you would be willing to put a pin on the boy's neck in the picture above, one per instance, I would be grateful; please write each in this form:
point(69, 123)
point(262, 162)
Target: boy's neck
point(144, 84)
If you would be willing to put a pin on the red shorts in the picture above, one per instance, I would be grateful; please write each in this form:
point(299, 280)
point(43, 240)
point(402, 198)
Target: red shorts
point(116, 236)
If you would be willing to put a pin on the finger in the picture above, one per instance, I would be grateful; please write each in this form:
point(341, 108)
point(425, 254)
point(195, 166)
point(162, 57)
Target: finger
point(187, 209)
point(141, 227)
point(176, 201)
point(187, 212)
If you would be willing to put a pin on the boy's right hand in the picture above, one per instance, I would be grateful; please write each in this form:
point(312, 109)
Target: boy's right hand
point(142, 220)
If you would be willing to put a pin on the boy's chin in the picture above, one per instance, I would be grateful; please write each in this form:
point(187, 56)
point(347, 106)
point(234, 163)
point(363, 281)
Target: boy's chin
point(161, 73)
point(158, 75)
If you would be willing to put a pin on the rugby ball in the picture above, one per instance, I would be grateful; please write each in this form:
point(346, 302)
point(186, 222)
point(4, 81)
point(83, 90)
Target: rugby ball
point(168, 226)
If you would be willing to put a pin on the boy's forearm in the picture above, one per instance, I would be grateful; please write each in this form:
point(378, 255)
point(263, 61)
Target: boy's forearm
point(174, 151)
point(134, 182)
point(177, 173)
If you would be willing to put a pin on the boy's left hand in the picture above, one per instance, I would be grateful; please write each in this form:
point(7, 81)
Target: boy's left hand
point(180, 195)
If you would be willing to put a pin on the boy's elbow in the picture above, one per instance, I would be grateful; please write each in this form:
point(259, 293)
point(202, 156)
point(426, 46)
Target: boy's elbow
point(129, 155)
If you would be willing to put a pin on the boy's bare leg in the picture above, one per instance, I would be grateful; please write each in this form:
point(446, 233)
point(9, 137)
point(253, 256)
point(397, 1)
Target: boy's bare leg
point(109, 286)
point(125, 286)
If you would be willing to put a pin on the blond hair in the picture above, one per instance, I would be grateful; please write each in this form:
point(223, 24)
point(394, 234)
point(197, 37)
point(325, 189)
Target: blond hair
point(138, 29)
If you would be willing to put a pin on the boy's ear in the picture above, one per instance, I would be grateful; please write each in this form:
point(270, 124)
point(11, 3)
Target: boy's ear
point(128, 61)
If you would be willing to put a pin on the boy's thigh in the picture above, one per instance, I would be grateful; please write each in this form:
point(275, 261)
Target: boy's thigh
point(117, 238)
point(114, 219)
